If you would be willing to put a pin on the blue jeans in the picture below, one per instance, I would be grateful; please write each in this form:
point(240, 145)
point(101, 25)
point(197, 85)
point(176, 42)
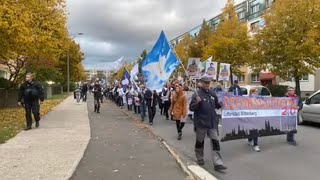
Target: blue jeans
point(255, 140)
point(143, 110)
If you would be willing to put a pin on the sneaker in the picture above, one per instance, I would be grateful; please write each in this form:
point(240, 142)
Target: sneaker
point(250, 143)
point(37, 124)
point(220, 167)
point(200, 162)
point(151, 124)
point(179, 137)
point(256, 148)
point(292, 143)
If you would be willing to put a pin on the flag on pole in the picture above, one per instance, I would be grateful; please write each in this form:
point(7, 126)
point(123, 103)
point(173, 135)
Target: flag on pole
point(159, 64)
point(117, 64)
point(134, 71)
point(125, 80)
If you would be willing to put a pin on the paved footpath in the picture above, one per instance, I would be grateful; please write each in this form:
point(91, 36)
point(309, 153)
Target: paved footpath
point(53, 150)
point(120, 149)
point(277, 159)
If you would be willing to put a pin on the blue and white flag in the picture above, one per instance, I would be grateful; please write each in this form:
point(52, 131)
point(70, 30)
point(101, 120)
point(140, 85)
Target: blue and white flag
point(125, 80)
point(159, 64)
point(134, 72)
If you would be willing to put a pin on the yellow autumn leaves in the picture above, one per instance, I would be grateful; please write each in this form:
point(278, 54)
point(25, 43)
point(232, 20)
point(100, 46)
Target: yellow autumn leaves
point(12, 120)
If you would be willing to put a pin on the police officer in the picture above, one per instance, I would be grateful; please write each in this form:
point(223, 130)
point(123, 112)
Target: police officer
point(29, 95)
point(203, 103)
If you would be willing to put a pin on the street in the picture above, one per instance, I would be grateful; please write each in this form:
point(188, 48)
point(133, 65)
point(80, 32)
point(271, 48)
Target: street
point(277, 159)
point(120, 150)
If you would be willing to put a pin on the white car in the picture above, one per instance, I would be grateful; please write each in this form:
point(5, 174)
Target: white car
point(311, 109)
point(263, 91)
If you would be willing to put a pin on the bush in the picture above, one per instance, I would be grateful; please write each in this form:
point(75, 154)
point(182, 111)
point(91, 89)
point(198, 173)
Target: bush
point(278, 90)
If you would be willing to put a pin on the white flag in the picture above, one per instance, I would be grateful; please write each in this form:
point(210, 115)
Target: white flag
point(134, 71)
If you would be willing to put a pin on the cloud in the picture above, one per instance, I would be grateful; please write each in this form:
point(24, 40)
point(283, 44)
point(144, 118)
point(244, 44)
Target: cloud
point(125, 27)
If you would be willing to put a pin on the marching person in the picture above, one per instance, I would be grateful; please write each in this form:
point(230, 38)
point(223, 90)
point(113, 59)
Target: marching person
point(235, 88)
point(253, 141)
point(151, 100)
point(166, 95)
point(178, 108)
point(142, 100)
point(96, 90)
point(29, 95)
point(203, 104)
point(84, 90)
point(290, 135)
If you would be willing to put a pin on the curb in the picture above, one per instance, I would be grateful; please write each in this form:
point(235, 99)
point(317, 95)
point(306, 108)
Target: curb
point(81, 154)
point(191, 176)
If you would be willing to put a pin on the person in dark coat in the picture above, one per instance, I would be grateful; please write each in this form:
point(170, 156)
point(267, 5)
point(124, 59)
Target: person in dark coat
point(96, 90)
point(235, 88)
point(84, 90)
point(203, 104)
point(151, 98)
point(29, 95)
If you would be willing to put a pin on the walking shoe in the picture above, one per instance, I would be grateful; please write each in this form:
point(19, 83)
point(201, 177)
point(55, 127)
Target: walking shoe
point(179, 136)
point(250, 143)
point(292, 143)
point(37, 124)
point(256, 148)
point(219, 167)
point(151, 124)
point(27, 128)
point(200, 162)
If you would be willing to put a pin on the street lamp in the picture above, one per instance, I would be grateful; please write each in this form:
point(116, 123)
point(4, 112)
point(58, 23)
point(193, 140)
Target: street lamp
point(68, 62)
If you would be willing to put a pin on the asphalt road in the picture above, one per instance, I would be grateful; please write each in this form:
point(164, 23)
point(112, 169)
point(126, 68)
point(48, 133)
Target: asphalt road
point(121, 150)
point(277, 159)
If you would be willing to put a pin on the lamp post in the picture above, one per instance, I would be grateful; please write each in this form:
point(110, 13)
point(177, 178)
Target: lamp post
point(68, 62)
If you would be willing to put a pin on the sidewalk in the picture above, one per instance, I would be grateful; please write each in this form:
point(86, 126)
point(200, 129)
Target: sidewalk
point(53, 150)
point(121, 150)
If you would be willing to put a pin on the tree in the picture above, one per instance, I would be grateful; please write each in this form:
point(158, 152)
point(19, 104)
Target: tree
point(230, 42)
point(141, 58)
point(201, 41)
point(289, 45)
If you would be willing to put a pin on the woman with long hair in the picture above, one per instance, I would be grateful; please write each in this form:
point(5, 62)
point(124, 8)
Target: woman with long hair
point(179, 108)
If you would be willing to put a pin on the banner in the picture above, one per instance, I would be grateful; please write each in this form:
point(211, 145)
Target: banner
point(224, 74)
point(193, 68)
point(244, 117)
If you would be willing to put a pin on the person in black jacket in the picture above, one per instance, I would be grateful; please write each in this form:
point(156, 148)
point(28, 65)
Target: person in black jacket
point(97, 96)
point(235, 88)
point(151, 98)
point(84, 92)
point(203, 104)
point(29, 95)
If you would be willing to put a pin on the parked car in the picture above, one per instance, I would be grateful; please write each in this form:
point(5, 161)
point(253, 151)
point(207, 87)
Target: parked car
point(263, 91)
point(311, 109)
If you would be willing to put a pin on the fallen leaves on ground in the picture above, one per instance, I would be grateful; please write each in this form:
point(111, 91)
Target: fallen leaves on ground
point(12, 120)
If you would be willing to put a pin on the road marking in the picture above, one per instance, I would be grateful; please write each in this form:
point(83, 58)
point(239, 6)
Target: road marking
point(201, 173)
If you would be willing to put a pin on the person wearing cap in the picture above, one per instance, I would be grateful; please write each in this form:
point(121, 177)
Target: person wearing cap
point(235, 88)
point(203, 104)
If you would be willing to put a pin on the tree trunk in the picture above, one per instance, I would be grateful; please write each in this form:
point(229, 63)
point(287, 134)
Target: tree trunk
point(297, 81)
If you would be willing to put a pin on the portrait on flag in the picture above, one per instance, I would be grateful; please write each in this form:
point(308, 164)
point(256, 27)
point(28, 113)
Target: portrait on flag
point(247, 117)
point(193, 68)
point(224, 74)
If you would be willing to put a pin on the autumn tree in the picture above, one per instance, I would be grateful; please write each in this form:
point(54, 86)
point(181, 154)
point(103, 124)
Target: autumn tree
point(230, 42)
point(289, 45)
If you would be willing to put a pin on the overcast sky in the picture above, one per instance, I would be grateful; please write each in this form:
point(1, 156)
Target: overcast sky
point(115, 28)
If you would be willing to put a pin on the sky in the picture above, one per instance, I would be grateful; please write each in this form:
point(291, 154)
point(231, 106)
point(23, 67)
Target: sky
point(115, 28)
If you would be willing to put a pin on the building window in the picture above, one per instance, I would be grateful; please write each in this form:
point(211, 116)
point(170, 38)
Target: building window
point(241, 15)
point(304, 78)
point(255, 8)
point(254, 78)
point(254, 26)
point(241, 78)
point(267, 3)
